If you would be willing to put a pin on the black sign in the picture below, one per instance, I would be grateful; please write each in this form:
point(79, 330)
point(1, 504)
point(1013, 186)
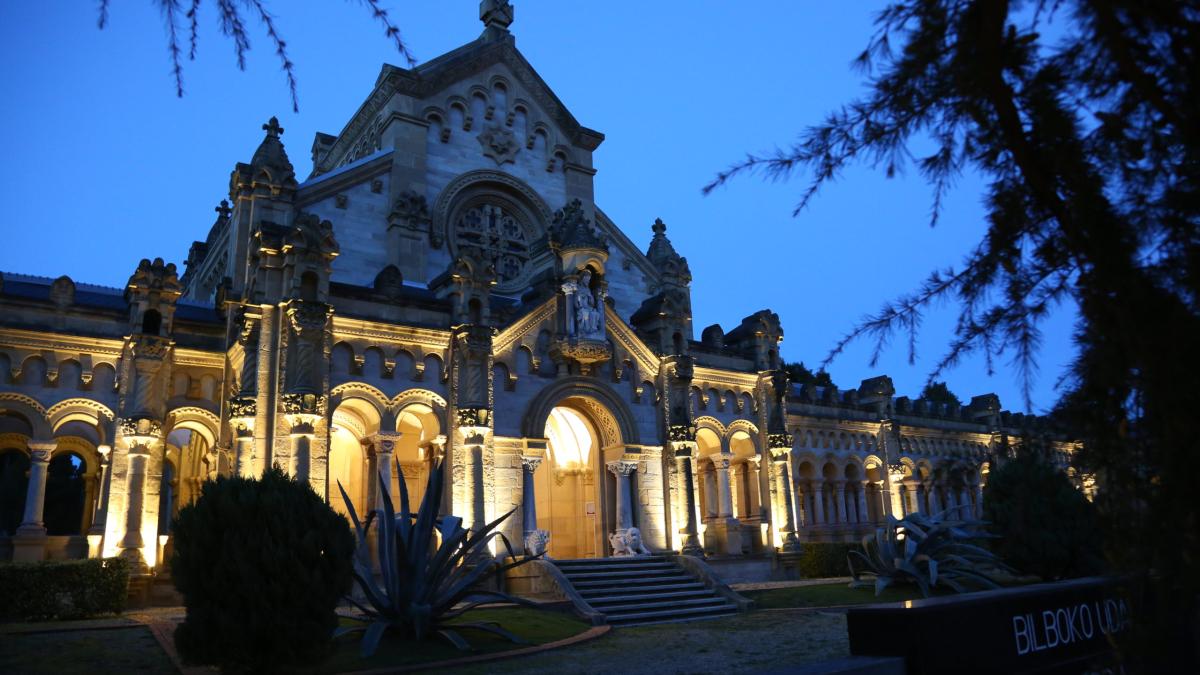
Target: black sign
point(1063, 627)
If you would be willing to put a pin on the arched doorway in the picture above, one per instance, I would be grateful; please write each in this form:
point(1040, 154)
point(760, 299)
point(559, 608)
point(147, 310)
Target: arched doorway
point(568, 501)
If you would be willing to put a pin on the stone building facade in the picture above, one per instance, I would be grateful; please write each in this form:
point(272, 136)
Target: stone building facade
point(444, 286)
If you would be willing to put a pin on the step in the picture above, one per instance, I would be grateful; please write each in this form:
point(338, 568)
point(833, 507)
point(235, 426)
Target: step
point(625, 617)
point(624, 574)
point(680, 595)
point(681, 619)
point(629, 584)
point(626, 560)
point(687, 585)
point(573, 569)
point(653, 605)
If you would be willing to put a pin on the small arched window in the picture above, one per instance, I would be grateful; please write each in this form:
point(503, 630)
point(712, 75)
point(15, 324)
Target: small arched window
point(151, 322)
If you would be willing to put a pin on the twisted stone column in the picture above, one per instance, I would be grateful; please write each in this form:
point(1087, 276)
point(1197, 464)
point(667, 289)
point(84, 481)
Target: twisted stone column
point(623, 470)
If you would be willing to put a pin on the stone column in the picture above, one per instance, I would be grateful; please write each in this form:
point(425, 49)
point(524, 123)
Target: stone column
point(29, 543)
point(691, 541)
point(535, 539)
point(935, 499)
point(901, 496)
point(101, 512)
point(754, 489)
point(136, 483)
point(921, 506)
point(965, 502)
point(864, 514)
point(622, 470)
point(840, 496)
point(783, 485)
point(724, 493)
point(711, 508)
point(385, 448)
point(978, 500)
point(819, 503)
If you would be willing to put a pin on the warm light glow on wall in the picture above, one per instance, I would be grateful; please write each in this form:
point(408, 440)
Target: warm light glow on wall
point(570, 439)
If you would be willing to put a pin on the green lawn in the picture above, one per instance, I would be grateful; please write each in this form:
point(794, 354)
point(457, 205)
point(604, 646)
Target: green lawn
point(122, 650)
point(535, 626)
point(828, 595)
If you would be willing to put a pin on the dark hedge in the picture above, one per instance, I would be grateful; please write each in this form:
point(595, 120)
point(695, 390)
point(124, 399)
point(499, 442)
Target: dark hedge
point(63, 589)
point(261, 564)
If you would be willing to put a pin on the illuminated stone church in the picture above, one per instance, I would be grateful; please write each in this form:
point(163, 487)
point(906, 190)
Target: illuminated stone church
point(445, 284)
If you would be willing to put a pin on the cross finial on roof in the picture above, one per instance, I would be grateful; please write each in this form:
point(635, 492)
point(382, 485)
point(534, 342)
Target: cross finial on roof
point(272, 127)
point(496, 13)
point(659, 226)
point(223, 209)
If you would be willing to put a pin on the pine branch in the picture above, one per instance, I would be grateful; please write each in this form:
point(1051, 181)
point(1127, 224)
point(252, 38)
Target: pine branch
point(289, 68)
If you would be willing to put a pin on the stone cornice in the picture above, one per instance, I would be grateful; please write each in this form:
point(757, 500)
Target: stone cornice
point(705, 376)
point(71, 344)
point(430, 339)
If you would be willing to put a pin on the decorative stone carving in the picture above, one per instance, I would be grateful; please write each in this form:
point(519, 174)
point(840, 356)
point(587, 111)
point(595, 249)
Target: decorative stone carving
point(571, 229)
point(242, 407)
point(410, 210)
point(475, 418)
point(499, 144)
point(536, 542)
point(302, 404)
point(627, 543)
point(140, 430)
point(389, 282)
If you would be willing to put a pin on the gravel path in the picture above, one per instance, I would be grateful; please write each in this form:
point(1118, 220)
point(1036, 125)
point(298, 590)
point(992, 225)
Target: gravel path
point(755, 641)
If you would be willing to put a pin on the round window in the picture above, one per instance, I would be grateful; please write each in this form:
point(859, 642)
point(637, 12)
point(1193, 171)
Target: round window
point(501, 238)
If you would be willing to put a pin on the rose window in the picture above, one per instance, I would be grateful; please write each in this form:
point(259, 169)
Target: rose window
point(499, 236)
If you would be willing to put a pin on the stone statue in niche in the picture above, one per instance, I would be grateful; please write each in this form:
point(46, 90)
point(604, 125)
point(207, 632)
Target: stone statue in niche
point(589, 310)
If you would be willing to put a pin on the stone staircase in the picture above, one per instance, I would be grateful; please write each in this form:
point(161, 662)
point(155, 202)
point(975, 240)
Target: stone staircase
point(641, 590)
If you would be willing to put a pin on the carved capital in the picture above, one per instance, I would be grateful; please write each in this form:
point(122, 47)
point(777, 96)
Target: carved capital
point(720, 462)
point(139, 430)
point(780, 455)
point(302, 404)
point(681, 433)
point(779, 441)
point(242, 407)
point(474, 418)
point(385, 443)
point(622, 467)
point(529, 463)
point(40, 451)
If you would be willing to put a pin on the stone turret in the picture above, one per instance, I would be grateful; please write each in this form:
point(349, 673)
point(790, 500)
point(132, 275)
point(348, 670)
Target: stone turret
point(665, 319)
point(757, 337)
point(263, 193)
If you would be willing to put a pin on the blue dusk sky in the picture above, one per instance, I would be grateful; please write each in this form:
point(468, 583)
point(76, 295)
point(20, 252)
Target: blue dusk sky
point(106, 166)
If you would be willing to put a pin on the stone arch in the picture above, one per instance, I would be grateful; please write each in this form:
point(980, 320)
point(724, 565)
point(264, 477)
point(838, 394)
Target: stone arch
point(197, 419)
point(616, 425)
point(29, 409)
point(84, 410)
point(713, 423)
point(423, 397)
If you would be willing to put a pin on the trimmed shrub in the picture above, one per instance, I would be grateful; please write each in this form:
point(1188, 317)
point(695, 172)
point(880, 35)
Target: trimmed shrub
point(1044, 525)
point(824, 560)
point(63, 589)
point(261, 564)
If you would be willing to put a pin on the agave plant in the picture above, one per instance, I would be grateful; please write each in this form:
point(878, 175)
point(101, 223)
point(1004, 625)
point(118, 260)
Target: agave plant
point(430, 569)
point(929, 551)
